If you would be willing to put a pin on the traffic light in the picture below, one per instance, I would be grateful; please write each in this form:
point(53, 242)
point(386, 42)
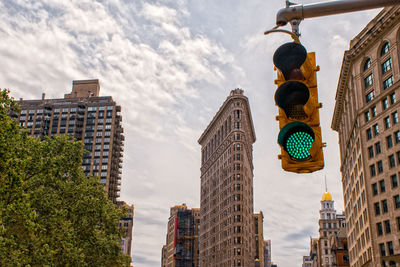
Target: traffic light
point(297, 99)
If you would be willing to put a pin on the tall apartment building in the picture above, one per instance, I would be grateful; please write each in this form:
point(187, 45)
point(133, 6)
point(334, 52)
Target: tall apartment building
point(259, 239)
point(182, 246)
point(366, 119)
point(126, 224)
point(226, 207)
point(330, 224)
point(83, 114)
point(267, 253)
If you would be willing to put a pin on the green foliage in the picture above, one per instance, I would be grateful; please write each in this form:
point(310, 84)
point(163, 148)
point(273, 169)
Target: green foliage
point(51, 214)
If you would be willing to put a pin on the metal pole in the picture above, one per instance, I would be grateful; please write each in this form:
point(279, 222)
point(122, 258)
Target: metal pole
point(300, 12)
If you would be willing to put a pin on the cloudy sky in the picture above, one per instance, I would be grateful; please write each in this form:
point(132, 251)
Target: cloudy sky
point(170, 65)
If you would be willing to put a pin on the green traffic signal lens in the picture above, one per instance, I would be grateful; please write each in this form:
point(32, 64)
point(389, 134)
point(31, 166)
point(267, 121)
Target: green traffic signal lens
point(297, 138)
point(298, 145)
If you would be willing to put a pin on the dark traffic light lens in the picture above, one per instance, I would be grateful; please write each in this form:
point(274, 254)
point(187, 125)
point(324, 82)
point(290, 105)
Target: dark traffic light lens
point(297, 138)
point(298, 145)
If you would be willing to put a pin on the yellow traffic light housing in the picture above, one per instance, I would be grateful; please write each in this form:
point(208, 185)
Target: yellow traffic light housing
point(297, 98)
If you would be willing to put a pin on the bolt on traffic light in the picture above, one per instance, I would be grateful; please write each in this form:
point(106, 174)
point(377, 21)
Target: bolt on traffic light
point(297, 100)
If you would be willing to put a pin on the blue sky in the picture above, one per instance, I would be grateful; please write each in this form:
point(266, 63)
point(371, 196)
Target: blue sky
point(170, 65)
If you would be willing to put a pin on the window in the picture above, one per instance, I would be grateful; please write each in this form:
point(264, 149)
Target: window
point(378, 147)
point(367, 64)
point(379, 228)
point(398, 157)
point(384, 206)
point(382, 249)
point(375, 189)
point(372, 170)
point(368, 81)
point(371, 152)
point(376, 129)
point(385, 49)
point(382, 186)
point(377, 208)
point(370, 96)
point(380, 166)
point(397, 136)
point(395, 181)
point(385, 104)
point(387, 65)
point(367, 116)
point(390, 248)
point(373, 111)
point(388, 82)
point(395, 117)
point(392, 161)
point(369, 133)
point(237, 114)
point(389, 141)
point(387, 227)
point(392, 98)
point(387, 122)
point(397, 201)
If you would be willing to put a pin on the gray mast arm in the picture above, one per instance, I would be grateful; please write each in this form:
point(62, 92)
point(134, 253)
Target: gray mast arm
point(300, 12)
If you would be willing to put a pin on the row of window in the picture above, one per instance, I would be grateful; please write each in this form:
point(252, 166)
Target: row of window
point(375, 128)
point(382, 187)
point(384, 50)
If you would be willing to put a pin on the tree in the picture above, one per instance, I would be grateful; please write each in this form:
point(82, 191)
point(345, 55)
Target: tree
point(51, 214)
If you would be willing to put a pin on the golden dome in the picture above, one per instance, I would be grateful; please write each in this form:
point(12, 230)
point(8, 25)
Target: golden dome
point(326, 196)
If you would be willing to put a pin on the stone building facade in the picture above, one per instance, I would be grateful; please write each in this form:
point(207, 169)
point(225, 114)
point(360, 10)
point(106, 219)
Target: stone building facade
point(367, 121)
point(226, 199)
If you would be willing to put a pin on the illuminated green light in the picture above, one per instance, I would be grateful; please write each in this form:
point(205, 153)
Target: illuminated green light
point(297, 138)
point(298, 145)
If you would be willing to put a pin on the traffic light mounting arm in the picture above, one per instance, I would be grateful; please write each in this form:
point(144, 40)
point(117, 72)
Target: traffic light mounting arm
point(294, 13)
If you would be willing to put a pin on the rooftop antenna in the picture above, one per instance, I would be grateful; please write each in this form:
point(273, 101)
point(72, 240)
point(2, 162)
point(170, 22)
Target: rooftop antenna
point(326, 187)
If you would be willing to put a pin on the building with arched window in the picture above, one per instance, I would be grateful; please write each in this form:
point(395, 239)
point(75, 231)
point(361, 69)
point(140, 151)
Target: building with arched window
point(367, 121)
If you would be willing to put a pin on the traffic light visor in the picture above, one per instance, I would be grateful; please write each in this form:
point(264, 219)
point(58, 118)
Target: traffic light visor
point(288, 58)
point(296, 138)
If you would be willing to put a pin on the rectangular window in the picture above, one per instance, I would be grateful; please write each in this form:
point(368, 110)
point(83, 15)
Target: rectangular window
point(398, 157)
point(393, 98)
point(375, 189)
point(396, 200)
point(376, 129)
point(382, 186)
point(370, 96)
point(387, 122)
point(387, 65)
point(380, 166)
point(367, 116)
point(384, 206)
point(395, 181)
point(377, 208)
point(397, 136)
point(382, 249)
point(369, 133)
point(392, 161)
point(372, 170)
point(378, 148)
point(389, 141)
point(379, 228)
point(385, 104)
point(395, 117)
point(387, 227)
point(388, 82)
point(368, 81)
point(390, 249)
point(371, 152)
point(373, 111)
